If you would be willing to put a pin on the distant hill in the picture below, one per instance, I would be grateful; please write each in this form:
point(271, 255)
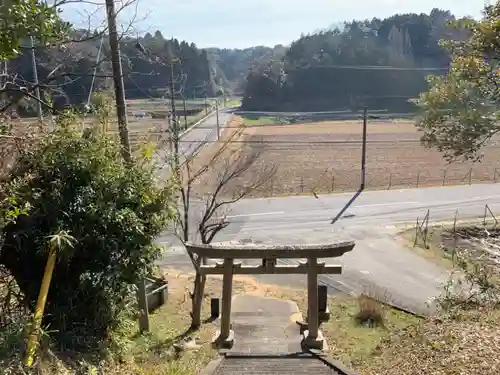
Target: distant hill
point(347, 68)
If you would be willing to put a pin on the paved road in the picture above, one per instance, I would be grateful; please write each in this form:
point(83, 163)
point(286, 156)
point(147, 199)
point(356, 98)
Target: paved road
point(372, 222)
point(192, 140)
point(206, 131)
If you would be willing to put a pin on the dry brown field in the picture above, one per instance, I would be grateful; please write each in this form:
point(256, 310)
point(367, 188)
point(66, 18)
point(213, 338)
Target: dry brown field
point(325, 157)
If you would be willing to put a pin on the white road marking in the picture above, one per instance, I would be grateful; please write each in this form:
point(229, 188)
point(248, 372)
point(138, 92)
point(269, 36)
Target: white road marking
point(383, 204)
point(256, 214)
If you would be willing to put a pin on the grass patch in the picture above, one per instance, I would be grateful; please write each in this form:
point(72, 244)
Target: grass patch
point(261, 120)
point(353, 343)
point(433, 251)
point(371, 312)
point(233, 103)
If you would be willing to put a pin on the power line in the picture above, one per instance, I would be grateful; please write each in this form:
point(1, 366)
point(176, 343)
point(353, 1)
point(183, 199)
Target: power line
point(372, 67)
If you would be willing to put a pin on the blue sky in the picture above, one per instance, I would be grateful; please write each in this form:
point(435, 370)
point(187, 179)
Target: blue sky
point(244, 23)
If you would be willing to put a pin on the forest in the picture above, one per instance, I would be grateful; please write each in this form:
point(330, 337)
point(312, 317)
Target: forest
point(146, 67)
point(380, 63)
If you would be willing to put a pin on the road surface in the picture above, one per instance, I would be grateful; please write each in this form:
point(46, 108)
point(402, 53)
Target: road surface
point(193, 139)
point(372, 222)
point(206, 131)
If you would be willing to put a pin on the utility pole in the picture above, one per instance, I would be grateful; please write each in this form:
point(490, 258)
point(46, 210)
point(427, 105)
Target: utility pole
point(363, 168)
point(185, 115)
point(116, 63)
point(217, 117)
point(206, 108)
point(174, 122)
point(35, 81)
point(363, 149)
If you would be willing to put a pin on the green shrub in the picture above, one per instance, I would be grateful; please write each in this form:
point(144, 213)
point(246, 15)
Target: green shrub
point(77, 183)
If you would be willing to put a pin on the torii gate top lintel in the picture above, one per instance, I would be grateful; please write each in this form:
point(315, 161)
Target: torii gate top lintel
point(238, 250)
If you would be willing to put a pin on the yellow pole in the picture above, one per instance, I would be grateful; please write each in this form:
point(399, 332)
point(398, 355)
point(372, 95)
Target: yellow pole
point(40, 306)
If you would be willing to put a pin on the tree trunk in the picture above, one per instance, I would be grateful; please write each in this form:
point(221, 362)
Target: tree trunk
point(198, 293)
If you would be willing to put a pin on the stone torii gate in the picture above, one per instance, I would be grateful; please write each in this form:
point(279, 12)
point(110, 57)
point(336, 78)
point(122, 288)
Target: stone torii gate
point(269, 254)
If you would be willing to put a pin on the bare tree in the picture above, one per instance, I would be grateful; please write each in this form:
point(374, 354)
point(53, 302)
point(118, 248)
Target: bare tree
point(223, 173)
point(68, 50)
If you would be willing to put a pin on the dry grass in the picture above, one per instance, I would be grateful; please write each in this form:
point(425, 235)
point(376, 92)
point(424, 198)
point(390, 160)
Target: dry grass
point(464, 344)
point(316, 166)
point(464, 340)
point(371, 312)
point(434, 251)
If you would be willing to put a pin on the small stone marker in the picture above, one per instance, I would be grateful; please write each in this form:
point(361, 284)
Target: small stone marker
point(324, 313)
point(214, 308)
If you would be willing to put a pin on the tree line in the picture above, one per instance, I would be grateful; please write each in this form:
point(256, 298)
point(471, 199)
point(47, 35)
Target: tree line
point(382, 63)
point(146, 61)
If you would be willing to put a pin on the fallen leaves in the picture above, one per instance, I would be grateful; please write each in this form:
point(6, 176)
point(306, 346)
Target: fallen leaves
point(467, 343)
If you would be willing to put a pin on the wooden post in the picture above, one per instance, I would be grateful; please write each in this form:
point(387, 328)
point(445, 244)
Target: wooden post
point(417, 227)
point(390, 181)
point(418, 177)
point(470, 177)
point(312, 299)
point(426, 230)
point(227, 286)
point(333, 183)
point(444, 177)
point(142, 301)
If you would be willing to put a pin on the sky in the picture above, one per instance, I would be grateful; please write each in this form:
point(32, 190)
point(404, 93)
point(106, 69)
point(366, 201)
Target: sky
point(246, 23)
